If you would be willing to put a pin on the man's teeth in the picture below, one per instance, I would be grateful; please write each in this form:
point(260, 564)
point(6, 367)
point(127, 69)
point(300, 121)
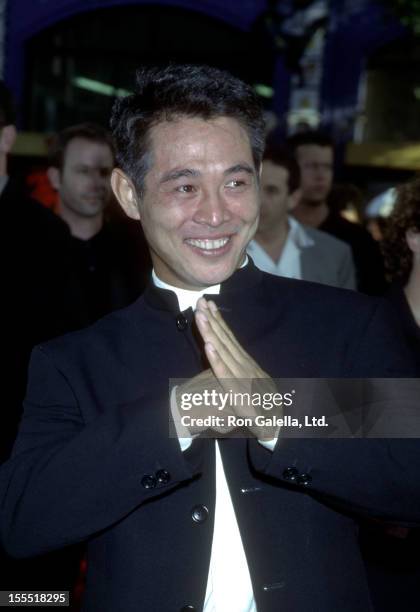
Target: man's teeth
point(208, 245)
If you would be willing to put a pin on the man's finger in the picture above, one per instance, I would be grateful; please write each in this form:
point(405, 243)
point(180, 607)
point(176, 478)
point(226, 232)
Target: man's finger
point(215, 330)
point(211, 336)
point(218, 365)
point(218, 316)
point(211, 332)
point(225, 338)
point(228, 339)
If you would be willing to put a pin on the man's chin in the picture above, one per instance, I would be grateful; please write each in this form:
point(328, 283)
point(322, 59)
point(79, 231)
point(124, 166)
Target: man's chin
point(317, 199)
point(213, 277)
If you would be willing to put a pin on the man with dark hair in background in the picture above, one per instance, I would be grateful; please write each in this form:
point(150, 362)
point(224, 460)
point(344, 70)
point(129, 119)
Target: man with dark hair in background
point(286, 247)
point(181, 522)
point(314, 152)
point(81, 159)
point(63, 273)
point(60, 274)
point(109, 259)
point(34, 273)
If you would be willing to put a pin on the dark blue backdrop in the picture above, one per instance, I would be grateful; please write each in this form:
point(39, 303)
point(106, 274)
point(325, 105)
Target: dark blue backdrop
point(357, 28)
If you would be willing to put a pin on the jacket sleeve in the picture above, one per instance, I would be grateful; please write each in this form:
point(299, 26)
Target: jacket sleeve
point(67, 480)
point(375, 476)
point(371, 477)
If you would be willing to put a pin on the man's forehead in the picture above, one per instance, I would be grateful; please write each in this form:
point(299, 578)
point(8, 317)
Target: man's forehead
point(189, 128)
point(314, 150)
point(272, 170)
point(83, 149)
point(195, 143)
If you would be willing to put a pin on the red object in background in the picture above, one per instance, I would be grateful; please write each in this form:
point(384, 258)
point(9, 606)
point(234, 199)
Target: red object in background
point(40, 189)
point(76, 595)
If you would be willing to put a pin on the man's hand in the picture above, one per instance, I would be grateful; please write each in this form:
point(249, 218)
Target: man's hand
point(200, 384)
point(233, 367)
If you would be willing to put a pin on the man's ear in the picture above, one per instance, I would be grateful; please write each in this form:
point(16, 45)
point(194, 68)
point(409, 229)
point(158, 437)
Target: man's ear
point(412, 237)
point(260, 172)
point(54, 177)
point(294, 199)
point(125, 193)
point(7, 138)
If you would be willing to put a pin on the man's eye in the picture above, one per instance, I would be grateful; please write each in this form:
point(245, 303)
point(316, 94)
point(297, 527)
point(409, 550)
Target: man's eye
point(271, 190)
point(186, 188)
point(235, 183)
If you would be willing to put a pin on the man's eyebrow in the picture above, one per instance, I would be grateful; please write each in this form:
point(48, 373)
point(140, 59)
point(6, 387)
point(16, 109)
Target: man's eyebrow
point(239, 168)
point(173, 175)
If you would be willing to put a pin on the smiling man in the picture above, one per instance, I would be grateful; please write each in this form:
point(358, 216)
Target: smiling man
point(200, 204)
point(181, 522)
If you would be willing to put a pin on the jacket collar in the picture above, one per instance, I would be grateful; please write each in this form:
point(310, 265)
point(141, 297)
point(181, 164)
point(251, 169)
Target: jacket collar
point(243, 279)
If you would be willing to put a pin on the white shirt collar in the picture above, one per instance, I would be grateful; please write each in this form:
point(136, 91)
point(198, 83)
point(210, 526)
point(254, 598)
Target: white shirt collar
point(289, 263)
point(298, 234)
point(186, 297)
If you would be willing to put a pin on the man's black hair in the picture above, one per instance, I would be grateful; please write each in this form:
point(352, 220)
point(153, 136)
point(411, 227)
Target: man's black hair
point(280, 156)
point(7, 109)
point(87, 131)
point(164, 94)
point(310, 137)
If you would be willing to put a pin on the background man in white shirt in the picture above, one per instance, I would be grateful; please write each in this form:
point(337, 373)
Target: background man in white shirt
point(314, 152)
point(286, 247)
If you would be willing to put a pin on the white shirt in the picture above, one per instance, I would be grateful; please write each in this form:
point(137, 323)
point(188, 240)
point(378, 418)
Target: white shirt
point(229, 587)
point(289, 263)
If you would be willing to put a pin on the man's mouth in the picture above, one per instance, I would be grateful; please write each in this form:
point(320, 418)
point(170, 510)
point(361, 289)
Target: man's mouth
point(209, 246)
point(94, 197)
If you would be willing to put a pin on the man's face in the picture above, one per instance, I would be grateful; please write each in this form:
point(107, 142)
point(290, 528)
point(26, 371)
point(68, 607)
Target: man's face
point(275, 198)
point(200, 206)
point(316, 168)
point(84, 182)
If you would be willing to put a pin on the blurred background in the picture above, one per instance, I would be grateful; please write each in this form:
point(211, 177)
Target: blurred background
point(351, 67)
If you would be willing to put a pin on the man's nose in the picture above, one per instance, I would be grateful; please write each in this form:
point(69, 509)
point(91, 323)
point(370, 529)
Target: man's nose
point(98, 181)
point(322, 170)
point(212, 209)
